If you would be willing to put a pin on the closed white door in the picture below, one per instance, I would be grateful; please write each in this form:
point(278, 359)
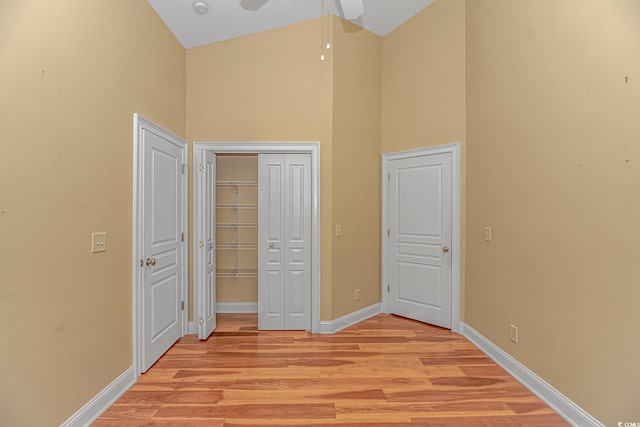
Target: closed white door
point(284, 241)
point(420, 195)
point(162, 246)
point(207, 301)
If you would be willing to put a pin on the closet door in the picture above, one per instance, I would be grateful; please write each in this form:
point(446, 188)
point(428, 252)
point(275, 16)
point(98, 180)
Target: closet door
point(207, 300)
point(284, 241)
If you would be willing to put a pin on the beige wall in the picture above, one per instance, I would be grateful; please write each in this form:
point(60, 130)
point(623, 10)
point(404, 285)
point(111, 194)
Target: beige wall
point(269, 86)
point(71, 76)
point(423, 89)
point(356, 167)
point(554, 168)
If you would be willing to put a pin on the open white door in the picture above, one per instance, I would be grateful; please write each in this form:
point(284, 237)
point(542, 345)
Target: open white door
point(284, 241)
point(207, 246)
point(162, 248)
point(420, 238)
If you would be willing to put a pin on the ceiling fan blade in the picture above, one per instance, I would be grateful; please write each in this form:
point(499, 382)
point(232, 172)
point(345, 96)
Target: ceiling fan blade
point(352, 9)
point(252, 4)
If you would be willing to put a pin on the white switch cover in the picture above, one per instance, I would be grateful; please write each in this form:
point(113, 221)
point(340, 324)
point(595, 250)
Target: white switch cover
point(339, 230)
point(513, 334)
point(98, 242)
point(487, 234)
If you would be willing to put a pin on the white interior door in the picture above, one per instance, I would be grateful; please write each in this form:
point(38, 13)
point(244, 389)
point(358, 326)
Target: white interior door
point(162, 246)
point(420, 209)
point(284, 241)
point(207, 301)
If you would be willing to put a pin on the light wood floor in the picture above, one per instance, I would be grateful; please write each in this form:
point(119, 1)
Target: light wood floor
point(386, 372)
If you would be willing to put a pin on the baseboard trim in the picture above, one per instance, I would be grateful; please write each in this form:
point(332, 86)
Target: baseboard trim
point(335, 325)
point(102, 401)
point(545, 391)
point(237, 307)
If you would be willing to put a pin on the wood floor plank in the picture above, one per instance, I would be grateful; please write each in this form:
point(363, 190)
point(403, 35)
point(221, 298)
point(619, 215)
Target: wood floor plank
point(161, 396)
point(213, 362)
point(302, 396)
point(140, 411)
point(484, 371)
point(350, 384)
point(272, 411)
point(421, 409)
point(552, 420)
point(340, 423)
point(158, 423)
point(384, 372)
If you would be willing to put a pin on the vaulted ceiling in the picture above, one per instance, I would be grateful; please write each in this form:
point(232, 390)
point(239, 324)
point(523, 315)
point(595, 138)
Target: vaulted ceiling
point(227, 19)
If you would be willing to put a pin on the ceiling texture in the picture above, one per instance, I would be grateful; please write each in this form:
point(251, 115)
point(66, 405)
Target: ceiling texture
point(227, 19)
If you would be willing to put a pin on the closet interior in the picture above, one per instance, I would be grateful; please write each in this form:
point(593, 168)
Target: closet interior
point(236, 228)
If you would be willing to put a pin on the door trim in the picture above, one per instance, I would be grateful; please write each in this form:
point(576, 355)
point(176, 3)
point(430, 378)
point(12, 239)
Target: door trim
point(312, 148)
point(139, 124)
point(454, 149)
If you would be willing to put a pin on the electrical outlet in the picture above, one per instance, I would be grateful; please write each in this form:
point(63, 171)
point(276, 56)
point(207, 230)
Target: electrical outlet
point(339, 230)
point(487, 234)
point(356, 295)
point(98, 242)
point(514, 334)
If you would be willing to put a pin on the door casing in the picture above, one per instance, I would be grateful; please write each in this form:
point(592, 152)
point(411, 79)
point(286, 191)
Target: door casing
point(139, 124)
point(454, 149)
point(312, 148)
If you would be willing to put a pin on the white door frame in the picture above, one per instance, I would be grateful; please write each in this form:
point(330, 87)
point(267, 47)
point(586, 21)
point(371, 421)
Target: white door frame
point(454, 149)
point(139, 124)
point(312, 148)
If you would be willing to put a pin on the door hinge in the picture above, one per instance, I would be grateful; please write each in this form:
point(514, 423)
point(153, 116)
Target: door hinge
point(201, 244)
point(389, 177)
point(200, 167)
point(185, 168)
point(388, 288)
point(388, 232)
point(141, 263)
point(182, 305)
point(182, 237)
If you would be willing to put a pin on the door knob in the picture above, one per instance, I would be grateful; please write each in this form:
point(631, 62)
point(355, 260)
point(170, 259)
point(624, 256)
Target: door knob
point(151, 261)
point(445, 249)
point(270, 245)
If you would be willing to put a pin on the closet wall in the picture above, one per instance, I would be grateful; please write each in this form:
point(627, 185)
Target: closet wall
point(237, 228)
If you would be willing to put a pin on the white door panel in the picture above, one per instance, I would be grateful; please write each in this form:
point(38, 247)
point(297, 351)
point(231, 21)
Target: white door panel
point(420, 237)
point(284, 241)
point(207, 301)
point(270, 236)
point(162, 246)
point(297, 239)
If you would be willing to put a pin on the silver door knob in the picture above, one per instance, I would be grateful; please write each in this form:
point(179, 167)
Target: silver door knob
point(151, 261)
point(445, 249)
point(271, 245)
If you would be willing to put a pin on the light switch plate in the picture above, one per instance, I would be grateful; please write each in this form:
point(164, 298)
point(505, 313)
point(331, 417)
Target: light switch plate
point(98, 242)
point(339, 230)
point(487, 234)
point(513, 333)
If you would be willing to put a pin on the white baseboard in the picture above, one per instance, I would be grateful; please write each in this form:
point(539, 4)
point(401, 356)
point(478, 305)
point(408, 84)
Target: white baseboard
point(545, 391)
point(237, 307)
point(333, 326)
point(102, 401)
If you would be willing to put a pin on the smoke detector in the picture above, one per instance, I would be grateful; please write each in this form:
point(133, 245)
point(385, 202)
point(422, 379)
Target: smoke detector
point(201, 8)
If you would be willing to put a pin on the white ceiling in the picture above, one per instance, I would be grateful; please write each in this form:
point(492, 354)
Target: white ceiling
point(228, 19)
